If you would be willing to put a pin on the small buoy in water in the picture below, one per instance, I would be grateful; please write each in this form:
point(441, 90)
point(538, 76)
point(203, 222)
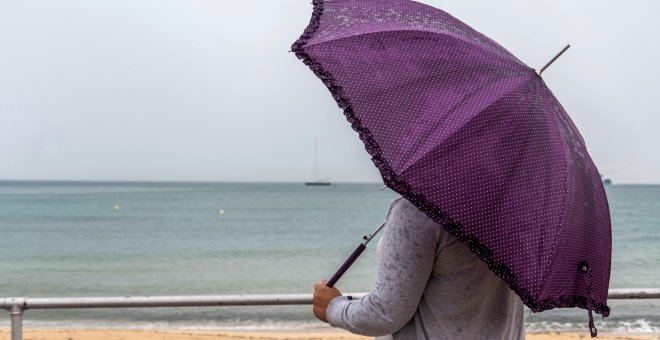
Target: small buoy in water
point(221, 211)
point(116, 207)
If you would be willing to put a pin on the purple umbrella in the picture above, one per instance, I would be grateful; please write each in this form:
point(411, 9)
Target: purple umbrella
point(474, 138)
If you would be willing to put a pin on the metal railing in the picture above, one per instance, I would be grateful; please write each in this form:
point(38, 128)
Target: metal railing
point(16, 306)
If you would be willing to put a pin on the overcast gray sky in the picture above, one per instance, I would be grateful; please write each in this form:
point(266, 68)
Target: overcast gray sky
point(195, 90)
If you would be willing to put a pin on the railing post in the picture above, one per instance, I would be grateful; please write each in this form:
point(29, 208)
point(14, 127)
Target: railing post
point(16, 311)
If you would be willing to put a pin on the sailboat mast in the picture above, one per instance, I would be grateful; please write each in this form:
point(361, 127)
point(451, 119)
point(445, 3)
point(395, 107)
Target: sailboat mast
point(313, 176)
point(315, 160)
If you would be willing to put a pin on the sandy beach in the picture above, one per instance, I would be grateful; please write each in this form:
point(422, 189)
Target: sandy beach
point(231, 335)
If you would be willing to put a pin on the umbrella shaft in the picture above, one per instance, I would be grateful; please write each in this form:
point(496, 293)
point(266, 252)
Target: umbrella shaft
point(347, 264)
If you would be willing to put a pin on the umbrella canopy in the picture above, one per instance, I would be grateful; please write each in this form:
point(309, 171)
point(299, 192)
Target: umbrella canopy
point(474, 138)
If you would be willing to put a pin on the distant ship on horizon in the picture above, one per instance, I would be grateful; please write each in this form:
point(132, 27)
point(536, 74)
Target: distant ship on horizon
point(313, 177)
point(606, 181)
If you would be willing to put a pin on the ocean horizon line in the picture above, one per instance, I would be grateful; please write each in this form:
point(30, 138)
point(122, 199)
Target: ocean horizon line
point(86, 181)
point(131, 181)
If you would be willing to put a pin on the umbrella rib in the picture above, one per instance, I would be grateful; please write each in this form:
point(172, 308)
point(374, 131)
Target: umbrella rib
point(502, 52)
point(421, 140)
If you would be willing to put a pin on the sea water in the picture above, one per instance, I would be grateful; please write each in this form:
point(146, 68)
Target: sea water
point(70, 239)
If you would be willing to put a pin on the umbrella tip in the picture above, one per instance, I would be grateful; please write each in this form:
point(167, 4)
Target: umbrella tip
point(539, 72)
point(383, 188)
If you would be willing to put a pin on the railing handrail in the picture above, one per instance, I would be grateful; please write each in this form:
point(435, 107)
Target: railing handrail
point(161, 301)
point(223, 300)
point(17, 305)
point(634, 293)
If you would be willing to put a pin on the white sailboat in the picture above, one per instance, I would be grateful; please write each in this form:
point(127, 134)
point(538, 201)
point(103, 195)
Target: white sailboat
point(313, 177)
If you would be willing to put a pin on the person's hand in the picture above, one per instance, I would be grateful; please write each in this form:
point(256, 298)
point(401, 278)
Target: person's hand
point(322, 297)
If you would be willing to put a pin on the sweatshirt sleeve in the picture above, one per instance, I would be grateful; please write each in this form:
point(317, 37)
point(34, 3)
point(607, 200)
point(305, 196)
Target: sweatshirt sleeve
point(409, 246)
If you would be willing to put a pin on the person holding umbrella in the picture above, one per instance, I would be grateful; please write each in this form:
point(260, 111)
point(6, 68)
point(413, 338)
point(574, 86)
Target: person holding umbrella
point(502, 204)
point(429, 286)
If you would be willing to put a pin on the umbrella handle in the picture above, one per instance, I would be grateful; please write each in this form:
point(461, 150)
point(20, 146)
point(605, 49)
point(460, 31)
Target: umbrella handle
point(347, 264)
